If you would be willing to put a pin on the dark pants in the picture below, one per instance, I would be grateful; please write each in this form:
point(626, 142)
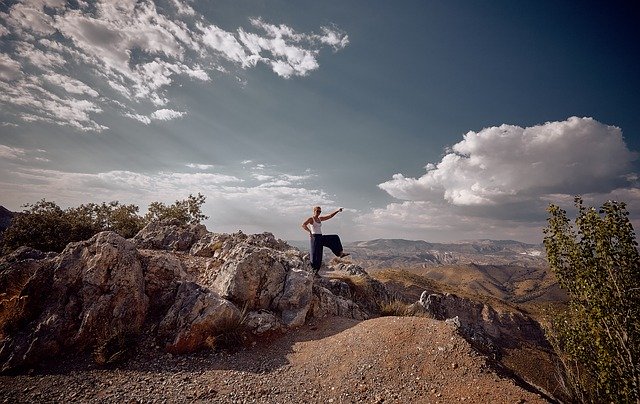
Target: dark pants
point(320, 240)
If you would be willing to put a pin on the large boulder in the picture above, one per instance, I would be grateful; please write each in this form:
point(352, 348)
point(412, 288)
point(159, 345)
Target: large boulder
point(263, 278)
point(92, 293)
point(196, 318)
point(169, 235)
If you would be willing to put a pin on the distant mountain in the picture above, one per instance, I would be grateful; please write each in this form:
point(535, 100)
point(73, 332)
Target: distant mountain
point(505, 269)
point(5, 218)
point(386, 253)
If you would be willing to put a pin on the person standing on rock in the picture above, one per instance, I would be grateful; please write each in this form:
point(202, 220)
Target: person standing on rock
point(313, 226)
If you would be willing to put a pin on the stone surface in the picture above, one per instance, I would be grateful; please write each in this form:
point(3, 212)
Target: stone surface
point(262, 321)
point(196, 318)
point(351, 269)
point(480, 321)
point(95, 292)
point(258, 277)
point(325, 303)
point(162, 273)
point(169, 235)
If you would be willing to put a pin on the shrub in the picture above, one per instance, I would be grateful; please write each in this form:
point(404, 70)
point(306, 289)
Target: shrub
point(598, 337)
point(187, 211)
point(43, 226)
point(47, 227)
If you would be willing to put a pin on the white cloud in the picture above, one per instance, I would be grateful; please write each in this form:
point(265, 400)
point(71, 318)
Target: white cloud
point(43, 105)
point(142, 118)
point(70, 85)
point(499, 180)
point(183, 8)
point(167, 114)
point(138, 50)
point(508, 163)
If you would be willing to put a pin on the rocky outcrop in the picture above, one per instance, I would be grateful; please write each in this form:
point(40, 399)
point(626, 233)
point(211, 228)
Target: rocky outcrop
point(481, 322)
point(95, 292)
point(325, 304)
point(162, 274)
point(101, 294)
point(219, 245)
point(169, 235)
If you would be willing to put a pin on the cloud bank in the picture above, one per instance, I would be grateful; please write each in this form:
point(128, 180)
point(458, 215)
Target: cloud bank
point(499, 180)
point(66, 64)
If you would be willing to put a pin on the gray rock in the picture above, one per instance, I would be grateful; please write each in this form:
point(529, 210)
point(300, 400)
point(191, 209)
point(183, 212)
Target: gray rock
point(219, 245)
point(169, 235)
point(95, 293)
point(351, 269)
point(262, 321)
point(482, 322)
point(325, 304)
point(162, 273)
point(263, 278)
point(196, 318)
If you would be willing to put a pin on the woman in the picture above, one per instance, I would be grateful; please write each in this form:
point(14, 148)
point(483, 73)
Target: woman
point(313, 226)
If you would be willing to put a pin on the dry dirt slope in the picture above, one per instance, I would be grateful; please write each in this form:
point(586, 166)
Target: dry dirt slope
point(388, 359)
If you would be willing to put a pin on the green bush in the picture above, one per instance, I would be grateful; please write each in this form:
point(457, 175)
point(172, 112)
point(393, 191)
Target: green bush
point(187, 211)
point(47, 227)
point(598, 337)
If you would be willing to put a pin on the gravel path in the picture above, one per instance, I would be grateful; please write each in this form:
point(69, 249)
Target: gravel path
point(337, 360)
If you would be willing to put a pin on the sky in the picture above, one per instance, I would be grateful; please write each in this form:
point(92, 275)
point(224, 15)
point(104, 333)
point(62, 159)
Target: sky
point(430, 120)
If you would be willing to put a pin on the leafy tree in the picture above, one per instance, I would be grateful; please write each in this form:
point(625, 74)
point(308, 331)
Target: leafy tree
point(598, 337)
point(187, 211)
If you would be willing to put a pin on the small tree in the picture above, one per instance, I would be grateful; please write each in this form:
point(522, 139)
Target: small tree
point(598, 337)
point(187, 211)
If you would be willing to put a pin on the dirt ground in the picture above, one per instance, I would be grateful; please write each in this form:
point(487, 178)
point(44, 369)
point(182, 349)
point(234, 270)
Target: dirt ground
point(335, 360)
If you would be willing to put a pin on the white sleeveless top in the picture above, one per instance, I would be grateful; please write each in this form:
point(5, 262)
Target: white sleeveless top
point(316, 227)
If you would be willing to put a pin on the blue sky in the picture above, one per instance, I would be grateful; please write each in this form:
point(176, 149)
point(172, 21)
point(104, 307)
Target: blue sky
point(424, 120)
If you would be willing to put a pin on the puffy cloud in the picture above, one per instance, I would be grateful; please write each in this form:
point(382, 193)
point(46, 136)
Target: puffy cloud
point(508, 163)
point(508, 174)
point(138, 117)
point(138, 50)
point(40, 104)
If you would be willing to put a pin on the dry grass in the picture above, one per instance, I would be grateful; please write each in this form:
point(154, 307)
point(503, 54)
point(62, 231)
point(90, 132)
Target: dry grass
point(395, 307)
point(231, 334)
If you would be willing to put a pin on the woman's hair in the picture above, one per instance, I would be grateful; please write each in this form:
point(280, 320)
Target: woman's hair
point(316, 208)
